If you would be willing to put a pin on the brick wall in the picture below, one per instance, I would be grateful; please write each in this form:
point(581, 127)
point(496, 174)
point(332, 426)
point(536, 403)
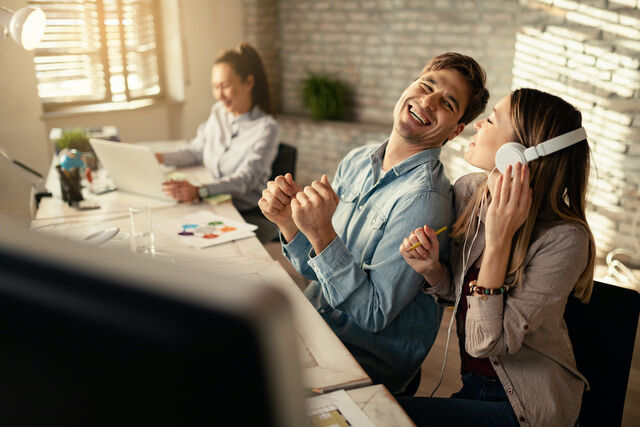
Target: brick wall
point(587, 51)
point(321, 145)
point(261, 30)
point(378, 47)
point(591, 58)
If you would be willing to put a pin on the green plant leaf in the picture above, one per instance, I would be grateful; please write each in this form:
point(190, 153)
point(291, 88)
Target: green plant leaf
point(324, 96)
point(77, 138)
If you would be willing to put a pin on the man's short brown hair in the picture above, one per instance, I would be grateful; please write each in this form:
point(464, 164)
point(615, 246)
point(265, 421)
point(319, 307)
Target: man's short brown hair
point(472, 72)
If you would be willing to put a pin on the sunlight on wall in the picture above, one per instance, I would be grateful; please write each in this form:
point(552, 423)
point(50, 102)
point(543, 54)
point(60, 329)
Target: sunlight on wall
point(592, 60)
point(590, 56)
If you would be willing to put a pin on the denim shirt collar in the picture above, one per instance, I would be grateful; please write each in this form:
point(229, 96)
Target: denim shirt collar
point(427, 155)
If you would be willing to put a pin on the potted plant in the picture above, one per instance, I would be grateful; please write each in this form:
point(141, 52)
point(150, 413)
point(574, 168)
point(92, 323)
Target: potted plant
point(324, 96)
point(77, 139)
point(73, 138)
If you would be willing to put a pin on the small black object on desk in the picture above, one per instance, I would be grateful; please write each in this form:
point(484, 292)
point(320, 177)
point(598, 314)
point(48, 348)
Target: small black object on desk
point(70, 184)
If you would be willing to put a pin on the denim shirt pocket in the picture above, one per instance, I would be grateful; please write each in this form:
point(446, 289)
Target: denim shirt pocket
point(375, 222)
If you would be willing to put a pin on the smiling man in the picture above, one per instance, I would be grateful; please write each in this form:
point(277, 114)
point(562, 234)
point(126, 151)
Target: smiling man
point(345, 236)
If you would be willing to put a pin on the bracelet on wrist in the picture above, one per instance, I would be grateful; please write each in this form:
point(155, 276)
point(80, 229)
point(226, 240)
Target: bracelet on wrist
point(483, 292)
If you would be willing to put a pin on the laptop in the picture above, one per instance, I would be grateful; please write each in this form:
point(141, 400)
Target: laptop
point(133, 168)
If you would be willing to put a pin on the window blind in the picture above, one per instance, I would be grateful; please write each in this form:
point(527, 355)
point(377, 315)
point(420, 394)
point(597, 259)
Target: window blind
point(96, 51)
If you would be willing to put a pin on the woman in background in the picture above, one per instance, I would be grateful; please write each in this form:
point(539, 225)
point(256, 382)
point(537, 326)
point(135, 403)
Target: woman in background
point(520, 246)
point(238, 142)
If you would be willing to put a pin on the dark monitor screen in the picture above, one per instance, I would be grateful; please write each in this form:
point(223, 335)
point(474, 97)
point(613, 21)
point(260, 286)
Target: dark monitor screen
point(106, 339)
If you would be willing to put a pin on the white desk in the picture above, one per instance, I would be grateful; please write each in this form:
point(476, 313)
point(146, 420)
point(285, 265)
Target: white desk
point(327, 364)
point(380, 406)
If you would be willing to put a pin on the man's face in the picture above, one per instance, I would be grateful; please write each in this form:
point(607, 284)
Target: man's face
point(428, 111)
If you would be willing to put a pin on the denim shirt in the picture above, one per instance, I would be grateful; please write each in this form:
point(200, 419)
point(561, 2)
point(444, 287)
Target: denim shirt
point(361, 285)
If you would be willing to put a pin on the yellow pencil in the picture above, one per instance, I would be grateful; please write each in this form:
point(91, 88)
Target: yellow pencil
point(437, 232)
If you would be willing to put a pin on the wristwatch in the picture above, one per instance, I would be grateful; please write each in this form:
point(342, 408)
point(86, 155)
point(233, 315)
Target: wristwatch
point(203, 192)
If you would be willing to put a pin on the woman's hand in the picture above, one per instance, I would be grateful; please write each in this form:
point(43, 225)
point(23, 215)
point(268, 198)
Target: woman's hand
point(182, 191)
point(424, 259)
point(509, 207)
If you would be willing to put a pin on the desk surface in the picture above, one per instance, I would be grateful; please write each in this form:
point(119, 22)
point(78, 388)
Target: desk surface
point(380, 406)
point(327, 364)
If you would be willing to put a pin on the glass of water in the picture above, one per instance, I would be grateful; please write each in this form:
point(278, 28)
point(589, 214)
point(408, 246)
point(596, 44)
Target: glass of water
point(141, 237)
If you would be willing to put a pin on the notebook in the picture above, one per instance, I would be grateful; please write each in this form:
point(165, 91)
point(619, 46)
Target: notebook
point(133, 168)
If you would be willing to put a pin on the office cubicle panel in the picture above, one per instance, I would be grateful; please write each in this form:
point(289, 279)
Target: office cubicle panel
point(96, 337)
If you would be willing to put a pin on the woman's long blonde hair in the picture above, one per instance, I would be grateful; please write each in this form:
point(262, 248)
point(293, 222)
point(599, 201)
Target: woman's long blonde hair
point(559, 180)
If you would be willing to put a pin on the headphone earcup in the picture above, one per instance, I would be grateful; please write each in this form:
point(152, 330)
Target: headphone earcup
point(510, 154)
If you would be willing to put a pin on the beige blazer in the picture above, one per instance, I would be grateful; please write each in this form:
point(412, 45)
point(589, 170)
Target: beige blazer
point(524, 334)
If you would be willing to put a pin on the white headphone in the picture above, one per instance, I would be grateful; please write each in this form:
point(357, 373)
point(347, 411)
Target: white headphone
point(513, 152)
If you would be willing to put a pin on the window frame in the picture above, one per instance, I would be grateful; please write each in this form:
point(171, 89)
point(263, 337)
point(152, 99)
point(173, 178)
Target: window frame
point(106, 102)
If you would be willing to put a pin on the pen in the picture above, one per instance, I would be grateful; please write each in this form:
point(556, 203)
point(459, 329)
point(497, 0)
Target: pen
point(419, 244)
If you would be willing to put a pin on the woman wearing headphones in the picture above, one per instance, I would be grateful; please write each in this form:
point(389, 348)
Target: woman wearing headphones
point(520, 246)
point(239, 141)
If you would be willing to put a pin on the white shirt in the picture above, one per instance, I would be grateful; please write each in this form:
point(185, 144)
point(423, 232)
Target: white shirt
point(237, 150)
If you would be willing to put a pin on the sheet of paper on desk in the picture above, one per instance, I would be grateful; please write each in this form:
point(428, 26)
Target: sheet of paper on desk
point(335, 409)
point(203, 229)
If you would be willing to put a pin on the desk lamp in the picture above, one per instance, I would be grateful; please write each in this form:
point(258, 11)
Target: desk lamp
point(26, 28)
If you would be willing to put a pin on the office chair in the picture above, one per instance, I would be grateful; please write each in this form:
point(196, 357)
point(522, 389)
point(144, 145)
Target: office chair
point(285, 161)
point(603, 333)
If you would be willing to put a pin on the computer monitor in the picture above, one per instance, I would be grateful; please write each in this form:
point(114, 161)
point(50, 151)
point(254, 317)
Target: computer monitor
point(91, 336)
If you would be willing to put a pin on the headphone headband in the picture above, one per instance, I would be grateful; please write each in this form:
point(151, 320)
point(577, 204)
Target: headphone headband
point(556, 144)
point(513, 152)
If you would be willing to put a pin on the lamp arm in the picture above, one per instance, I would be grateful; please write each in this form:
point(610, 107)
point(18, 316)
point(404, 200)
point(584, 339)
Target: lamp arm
point(6, 155)
point(5, 17)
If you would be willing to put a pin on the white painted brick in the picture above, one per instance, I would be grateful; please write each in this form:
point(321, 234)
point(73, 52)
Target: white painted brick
point(613, 116)
point(321, 5)
point(621, 30)
point(629, 62)
point(603, 64)
point(621, 104)
point(632, 45)
point(627, 3)
point(575, 31)
point(599, 13)
point(548, 57)
point(581, 59)
point(581, 18)
point(566, 4)
point(633, 75)
point(349, 5)
point(630, 83)
point(630, 17)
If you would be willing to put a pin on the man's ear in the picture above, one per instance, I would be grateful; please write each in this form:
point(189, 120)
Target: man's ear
point(456, 131)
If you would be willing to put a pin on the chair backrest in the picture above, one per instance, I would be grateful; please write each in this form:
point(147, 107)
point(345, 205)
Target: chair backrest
point(285, 161)
point(603, 334)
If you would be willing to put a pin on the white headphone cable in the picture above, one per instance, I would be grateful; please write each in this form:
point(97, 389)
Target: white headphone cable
point(465, 260)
